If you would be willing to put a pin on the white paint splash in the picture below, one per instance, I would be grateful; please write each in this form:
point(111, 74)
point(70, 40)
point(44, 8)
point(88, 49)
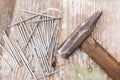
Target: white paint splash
point(84, 55)
point(64, 26)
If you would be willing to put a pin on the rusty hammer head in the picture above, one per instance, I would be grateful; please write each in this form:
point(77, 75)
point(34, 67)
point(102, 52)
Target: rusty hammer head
point(78, 36)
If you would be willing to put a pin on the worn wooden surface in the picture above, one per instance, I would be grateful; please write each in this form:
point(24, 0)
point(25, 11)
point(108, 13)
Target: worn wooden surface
point(74, 12)
point(6, 13)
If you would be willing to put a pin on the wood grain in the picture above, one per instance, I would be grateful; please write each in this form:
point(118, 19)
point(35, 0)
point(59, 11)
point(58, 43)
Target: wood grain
point(6, 14)
point(74, 12)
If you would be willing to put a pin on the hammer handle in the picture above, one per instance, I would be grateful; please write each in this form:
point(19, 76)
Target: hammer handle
point(102, 57)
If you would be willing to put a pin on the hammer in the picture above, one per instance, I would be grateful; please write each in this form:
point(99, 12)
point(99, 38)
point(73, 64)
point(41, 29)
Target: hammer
point(81, 38)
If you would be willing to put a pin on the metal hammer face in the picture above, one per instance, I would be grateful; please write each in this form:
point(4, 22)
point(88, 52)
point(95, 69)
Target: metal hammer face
point(78, 36)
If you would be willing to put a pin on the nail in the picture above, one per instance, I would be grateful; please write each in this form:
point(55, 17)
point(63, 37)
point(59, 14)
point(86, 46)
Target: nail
point(47, 32)
point(51, 73)
point(39, 50)
point(23, 39)
point(44, 20)
point(42, 14)
point(24, 29)
point(54, 44)
point(31, 34)
point(11, 48)
point(45, 59)
point(52, 26)
point(32, 39)
point(40, 36)
point(36, 27)
point(18, 54)
point(51, 39)
point(25, 58)
point(23, 20)
point(12, 53)
point(44, 24)
point(39, 66)
point(25, 62)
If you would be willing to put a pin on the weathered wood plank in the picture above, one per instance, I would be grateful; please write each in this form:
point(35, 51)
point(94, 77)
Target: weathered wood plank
point(74, 13)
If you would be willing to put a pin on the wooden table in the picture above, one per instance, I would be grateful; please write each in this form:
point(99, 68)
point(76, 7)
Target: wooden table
point(79, 66)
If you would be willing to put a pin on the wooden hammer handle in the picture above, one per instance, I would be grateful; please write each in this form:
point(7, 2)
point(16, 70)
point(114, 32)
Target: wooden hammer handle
point(102, 57)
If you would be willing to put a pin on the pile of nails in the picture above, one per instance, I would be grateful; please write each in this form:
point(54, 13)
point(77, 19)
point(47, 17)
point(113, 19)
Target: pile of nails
point(38, 39)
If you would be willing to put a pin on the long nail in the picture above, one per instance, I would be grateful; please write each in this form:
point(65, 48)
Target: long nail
point(51, 73)
point(40, 33)
point(49, 19)
point(44, 58)
point(39, 50)
point(38, 30)
point(29, 38)
point(42, 14)
point(12, 53)
point(11, 48)
point(23, 20)
point(33, 38)
point(47, 32)
point(18, 53)
point(21, 33)
point(26, 63)
point(25, 58)
point(22, 38)
point(24, 29)
point(39, 66)
point(44, 26)
point(51, 39)
point(52, 26)
point(53, 47)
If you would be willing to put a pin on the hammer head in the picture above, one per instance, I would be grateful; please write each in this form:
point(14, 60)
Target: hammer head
point(78, 36)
